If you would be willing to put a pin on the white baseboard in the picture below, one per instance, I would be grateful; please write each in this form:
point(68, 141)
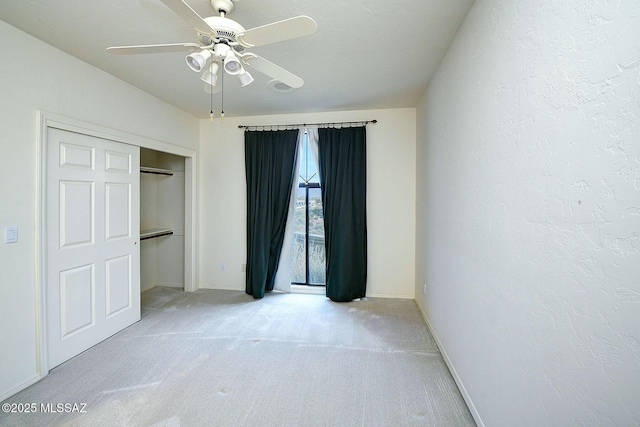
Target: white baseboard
point(383, 295)
point(170, 285)
point(454, 373)
point(223, 288)
point(319, 290)
point(15, 389)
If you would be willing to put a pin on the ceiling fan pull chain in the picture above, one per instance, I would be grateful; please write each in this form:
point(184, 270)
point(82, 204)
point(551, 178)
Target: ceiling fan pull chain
point(222, 95)
point(211, 102)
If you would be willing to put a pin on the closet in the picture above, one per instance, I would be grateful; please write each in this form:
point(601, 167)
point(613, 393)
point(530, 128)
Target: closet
point(162, 220)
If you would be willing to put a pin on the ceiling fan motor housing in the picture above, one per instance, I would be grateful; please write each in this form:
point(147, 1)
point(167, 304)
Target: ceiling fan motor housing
point(223, 28)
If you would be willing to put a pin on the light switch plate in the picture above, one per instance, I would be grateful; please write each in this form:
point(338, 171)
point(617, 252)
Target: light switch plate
point(10, 234)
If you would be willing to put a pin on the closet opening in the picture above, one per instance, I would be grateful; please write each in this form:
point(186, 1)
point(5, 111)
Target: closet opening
point(162, 220)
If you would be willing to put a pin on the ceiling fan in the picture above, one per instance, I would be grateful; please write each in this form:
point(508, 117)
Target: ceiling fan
point(223, 43)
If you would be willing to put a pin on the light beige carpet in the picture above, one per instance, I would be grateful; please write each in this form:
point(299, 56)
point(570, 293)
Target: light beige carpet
point(221, 358)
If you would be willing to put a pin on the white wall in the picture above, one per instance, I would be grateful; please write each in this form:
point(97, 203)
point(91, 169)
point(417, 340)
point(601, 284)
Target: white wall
point(390, 198)
point(528, 211)
point(35, 76)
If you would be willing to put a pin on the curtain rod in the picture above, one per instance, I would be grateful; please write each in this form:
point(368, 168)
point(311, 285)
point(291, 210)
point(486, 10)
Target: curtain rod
point(303, 125)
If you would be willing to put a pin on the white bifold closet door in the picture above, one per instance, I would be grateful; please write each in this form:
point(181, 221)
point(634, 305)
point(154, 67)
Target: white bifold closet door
point(92, 250)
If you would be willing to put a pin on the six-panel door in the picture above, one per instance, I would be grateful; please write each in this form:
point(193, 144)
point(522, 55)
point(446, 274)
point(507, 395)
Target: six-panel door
point(92, 231)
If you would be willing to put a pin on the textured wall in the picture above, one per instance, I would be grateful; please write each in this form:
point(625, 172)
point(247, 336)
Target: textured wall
point(528, 211)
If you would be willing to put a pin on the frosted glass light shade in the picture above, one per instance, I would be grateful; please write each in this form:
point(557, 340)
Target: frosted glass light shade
point(210, 76)
point(245, 78)
point(198, 60)
point(232, 65)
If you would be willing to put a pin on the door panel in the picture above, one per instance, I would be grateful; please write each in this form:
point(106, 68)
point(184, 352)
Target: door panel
point(118, 162)
point(118, 204)
point(76, 156)
point(76, 213)
point(77, 308)
point(93, 257)
point(119, 285)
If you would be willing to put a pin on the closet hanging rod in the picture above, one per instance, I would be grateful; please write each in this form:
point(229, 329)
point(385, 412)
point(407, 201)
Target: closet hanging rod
point(157, 171)
point(156, 232)
point(304, 125)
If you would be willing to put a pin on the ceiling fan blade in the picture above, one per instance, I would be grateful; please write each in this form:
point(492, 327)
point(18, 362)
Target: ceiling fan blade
point(153, 48)
point(185, 12)
point(272, 70)
point(278, 31)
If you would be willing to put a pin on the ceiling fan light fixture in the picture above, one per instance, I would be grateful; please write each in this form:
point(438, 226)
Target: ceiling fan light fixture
point(245, 78)
point(198, 60)
point(210, 76)
point(232, 64)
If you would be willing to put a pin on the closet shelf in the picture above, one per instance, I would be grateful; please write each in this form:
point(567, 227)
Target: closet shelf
point(155, 232)
point(157, 171)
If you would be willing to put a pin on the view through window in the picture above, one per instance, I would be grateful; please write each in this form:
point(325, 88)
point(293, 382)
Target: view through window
point(308, 264)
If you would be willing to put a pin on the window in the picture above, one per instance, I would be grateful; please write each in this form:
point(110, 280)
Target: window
point(308, 263)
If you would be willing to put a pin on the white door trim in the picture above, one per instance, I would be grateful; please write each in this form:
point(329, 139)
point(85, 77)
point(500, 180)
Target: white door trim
point(47, 120)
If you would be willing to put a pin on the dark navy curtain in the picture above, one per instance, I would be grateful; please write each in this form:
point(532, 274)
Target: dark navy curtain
point(270, 159)
point(343, 179)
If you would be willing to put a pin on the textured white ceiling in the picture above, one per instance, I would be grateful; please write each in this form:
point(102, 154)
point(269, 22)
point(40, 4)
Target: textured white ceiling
point(366, 54)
